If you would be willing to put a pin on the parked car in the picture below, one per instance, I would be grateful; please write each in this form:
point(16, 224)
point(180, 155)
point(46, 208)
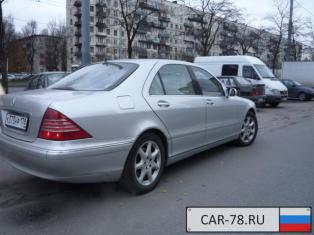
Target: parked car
point(247, 67)
point(138, 116)
point(44, 80)
point(254, 92)
point(298, 91)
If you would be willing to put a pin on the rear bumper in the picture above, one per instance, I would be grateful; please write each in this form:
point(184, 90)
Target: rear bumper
point(275, 98)
point(99, 164)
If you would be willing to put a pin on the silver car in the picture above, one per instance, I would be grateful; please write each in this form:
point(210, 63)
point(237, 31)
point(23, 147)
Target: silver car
point(121, 120)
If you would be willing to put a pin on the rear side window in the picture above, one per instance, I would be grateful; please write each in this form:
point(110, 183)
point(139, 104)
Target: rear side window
point(156, 87)
point(176, 80)
point(98, 77)
point(230, 70)
point(33, 83)
point(209, 85)
point(53, 78)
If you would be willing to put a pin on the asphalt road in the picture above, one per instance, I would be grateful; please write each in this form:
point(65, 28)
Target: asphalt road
point(278, 170)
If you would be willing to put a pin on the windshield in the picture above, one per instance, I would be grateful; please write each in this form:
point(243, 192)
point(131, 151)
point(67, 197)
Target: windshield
point(242, 81)
point(297, 84)
point(98, 77)
point(265, 72)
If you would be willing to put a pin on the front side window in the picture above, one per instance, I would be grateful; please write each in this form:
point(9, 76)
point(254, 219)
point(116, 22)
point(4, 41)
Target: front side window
point(176, 80)
point(97, 77)
point(249, 72)
point(209, 85)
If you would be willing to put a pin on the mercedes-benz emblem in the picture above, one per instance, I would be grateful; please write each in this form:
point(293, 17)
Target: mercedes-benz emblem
point(13, 101)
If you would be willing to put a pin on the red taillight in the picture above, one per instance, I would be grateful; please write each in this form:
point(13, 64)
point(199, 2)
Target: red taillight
point(58, 127)
point(254, 92)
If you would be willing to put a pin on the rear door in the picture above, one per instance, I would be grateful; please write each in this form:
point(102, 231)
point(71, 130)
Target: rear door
point(223, 114)
point(174, 97)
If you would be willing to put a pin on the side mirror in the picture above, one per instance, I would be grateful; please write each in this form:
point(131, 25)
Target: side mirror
point(232, 92)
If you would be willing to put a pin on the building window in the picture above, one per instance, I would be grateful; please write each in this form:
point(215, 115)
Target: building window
point(92, 29)
point(108, 31)
point(92, 18)
point(115, 33)
point(91, 8)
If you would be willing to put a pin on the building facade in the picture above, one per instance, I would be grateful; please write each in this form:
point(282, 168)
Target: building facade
point(36, 54)
point(169, 32)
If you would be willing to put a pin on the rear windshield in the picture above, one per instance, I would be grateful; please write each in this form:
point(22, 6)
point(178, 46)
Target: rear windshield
point(98, 77)
point(242, 81)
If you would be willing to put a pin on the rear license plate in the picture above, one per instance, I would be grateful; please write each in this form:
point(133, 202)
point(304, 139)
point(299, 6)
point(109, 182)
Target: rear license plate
point(16, 121)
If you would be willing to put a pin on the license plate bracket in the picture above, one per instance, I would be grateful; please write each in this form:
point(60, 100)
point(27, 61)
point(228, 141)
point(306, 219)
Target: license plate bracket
point(16, 121)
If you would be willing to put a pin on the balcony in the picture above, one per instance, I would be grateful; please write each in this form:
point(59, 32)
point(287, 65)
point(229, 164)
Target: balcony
point(78, 44)
point(100, 13)
point(188, 25)
point(152, 7)
point(78, 23)
point(100, 24)
point(78, 33)
point(78, 54)
point(100, 44)
point(78, 13)
point(164, 35)
point(164, 19)
point(77, 3)
point(157, 25)
point(101, 4)
point(197, 19)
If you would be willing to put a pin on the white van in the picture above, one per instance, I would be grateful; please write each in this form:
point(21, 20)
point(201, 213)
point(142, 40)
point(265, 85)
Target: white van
point(247, 67)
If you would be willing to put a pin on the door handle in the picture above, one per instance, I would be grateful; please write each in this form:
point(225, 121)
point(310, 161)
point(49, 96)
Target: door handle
point(209, 101)
point(163, 104)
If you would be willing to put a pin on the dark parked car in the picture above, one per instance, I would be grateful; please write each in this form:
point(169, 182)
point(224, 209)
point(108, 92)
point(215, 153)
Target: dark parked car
point(44, 80)
point(254, 92)
point(298, 91)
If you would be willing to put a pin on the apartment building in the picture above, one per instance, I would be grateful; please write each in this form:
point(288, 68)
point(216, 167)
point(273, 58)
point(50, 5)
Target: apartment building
point(169, 32)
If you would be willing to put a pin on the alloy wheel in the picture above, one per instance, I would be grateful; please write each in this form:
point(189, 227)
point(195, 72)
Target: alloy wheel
point(248, 130)
point(147, 163)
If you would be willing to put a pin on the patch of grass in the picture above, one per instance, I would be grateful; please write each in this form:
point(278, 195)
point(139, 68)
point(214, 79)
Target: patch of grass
point(18, 83)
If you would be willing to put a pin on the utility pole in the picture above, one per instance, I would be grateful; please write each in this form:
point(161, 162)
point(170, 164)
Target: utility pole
point(2, 52)
point(86, 58)
point(290, 29)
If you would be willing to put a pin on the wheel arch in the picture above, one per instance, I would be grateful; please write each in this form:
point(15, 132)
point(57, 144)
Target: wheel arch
point(161, 135)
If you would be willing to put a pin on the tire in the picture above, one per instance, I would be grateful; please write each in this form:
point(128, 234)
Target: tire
point(248, 131)
point(302, 96)
point(274, 105)
point(149, 168)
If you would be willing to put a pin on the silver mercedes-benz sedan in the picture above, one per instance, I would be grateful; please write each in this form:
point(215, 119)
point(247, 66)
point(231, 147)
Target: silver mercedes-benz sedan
point(121, 120)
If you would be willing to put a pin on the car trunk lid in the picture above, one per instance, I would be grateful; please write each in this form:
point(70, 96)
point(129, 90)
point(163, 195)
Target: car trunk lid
point(30, 106)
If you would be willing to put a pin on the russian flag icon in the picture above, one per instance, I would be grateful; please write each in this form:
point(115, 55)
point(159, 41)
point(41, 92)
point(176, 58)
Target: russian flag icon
point(296, 220)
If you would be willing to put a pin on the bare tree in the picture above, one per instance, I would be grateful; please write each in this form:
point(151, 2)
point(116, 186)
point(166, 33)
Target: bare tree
point(279, 21)
point(30, 31)
point(228, 43)
point(56, 46)
point(134, 14)
point(211, 15)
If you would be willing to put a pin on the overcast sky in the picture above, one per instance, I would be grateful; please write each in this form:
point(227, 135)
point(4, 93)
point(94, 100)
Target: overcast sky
point(45, 10)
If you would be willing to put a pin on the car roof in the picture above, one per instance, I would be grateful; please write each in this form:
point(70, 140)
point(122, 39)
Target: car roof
point(228, 59)
point(154, 61)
